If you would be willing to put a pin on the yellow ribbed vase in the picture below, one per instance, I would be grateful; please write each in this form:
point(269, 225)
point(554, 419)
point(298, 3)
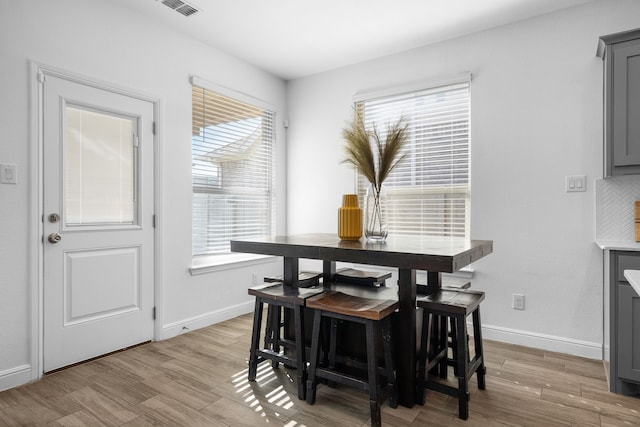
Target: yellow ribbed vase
point(350, 218)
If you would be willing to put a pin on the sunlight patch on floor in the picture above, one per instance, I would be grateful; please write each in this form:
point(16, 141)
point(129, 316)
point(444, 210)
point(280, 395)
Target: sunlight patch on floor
point(264, 375)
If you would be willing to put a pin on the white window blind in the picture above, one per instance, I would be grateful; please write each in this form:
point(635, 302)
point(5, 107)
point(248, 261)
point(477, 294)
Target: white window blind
point(428, 193)
point(232, 169)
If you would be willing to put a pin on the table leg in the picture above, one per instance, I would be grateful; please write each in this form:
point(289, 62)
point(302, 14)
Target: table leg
point(434, 281)
point(291, 271)
point(291, 278)
point(328, 272)
point(405, 338)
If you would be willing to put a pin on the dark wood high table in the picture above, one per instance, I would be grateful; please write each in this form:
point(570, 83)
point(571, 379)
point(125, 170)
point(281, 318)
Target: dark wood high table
point(406, 253)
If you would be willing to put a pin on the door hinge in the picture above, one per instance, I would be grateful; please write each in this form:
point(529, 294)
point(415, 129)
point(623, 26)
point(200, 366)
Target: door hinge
point(153, 313)
point(136, 140)
point(153, 220)
point(153, 127)
point(41, 77)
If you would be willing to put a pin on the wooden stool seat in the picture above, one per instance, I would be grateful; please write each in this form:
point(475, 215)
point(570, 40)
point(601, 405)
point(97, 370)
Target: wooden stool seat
point(278, 296)
point(452, 302)
point(455, 306)
point(349, 305)
point(375, 315)
point(286, 294)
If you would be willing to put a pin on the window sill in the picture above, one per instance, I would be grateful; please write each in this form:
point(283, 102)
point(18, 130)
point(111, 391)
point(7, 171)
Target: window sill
point(212, 264)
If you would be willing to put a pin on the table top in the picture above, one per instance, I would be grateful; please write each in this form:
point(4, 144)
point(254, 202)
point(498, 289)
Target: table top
point(412, 252)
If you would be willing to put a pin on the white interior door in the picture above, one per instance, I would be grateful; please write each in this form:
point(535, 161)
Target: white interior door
point(98, 221)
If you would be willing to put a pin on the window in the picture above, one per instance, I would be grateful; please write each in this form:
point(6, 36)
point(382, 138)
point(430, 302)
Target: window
point(428, 193)
point(232, 170)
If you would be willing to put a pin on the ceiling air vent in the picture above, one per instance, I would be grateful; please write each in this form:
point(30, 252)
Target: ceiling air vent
point(181, 7)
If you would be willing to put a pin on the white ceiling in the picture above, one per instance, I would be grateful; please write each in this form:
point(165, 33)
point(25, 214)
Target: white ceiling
point(295, 38)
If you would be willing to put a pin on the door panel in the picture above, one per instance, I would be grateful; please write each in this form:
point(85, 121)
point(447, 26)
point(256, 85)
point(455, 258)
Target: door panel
point(101, 283)
point(98, 231)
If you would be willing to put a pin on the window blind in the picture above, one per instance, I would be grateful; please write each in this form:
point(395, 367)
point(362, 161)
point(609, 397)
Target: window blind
point(232, 171)
point(428, 192)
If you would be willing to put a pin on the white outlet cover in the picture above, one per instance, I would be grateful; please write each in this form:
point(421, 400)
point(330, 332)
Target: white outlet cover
point(8, 174)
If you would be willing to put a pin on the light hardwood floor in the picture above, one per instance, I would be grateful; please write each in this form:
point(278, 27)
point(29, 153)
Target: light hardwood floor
point(199, 379)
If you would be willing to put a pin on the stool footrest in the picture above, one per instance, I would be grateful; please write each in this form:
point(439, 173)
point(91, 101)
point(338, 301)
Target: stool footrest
point(342, 378)
point(264, 354)
point(284, 342)
point(442, 388)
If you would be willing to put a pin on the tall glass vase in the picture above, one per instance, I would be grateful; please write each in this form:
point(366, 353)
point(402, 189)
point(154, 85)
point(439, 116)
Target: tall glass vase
point(376, 227)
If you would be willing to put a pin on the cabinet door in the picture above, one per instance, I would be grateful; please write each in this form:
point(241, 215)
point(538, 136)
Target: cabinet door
point(628, 333)
point(625, 103)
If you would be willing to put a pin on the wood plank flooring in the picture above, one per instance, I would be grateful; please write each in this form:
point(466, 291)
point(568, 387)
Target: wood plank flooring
point(200, 379)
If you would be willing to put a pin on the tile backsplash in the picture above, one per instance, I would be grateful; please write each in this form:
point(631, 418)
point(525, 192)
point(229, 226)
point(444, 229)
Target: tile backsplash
point(615, 199)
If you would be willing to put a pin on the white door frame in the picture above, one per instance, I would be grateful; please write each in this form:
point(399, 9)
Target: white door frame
point(36, 208)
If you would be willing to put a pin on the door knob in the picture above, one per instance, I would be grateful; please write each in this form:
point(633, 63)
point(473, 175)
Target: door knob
point(54, 238)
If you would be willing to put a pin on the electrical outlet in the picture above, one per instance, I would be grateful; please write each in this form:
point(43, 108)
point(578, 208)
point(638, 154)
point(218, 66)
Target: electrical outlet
point(518, 302)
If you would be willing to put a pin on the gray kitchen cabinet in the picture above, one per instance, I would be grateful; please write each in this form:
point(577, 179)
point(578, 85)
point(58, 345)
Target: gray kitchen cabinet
point(621, 55)
point(624, 375)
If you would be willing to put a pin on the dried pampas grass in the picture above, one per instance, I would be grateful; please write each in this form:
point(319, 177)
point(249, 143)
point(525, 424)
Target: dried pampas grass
point(375, 166)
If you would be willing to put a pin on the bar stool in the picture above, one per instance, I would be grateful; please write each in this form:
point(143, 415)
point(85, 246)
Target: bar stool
point(375, 315)
point(274, 323)
point(456, 305)
point(278, 296)
point(452, 284)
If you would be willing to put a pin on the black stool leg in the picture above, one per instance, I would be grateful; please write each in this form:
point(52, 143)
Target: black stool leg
point(463, 365)
point(479, 352)
point(388, 363)
point(272, 336)
point(443, 337)
point(333, 344)
point(434, 341)
point(268, 331)
point(315, 355)
point(372, 368)
point(425, 348)
point(301, 361)
point(454, 345)
point(255, 339)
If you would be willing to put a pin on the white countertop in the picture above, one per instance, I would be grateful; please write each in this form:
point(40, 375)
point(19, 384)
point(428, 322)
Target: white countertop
point(633, 276)
point(618, 245)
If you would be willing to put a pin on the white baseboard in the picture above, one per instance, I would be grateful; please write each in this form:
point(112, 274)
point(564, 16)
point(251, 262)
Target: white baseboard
point(591, 350)
point(15, 377)
point(20, 375)
point(197, 322)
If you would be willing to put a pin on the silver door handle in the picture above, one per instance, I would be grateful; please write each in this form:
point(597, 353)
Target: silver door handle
point(54, 238)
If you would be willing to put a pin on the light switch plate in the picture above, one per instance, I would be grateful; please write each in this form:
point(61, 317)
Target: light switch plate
point(8, 174)
point(575, 183)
